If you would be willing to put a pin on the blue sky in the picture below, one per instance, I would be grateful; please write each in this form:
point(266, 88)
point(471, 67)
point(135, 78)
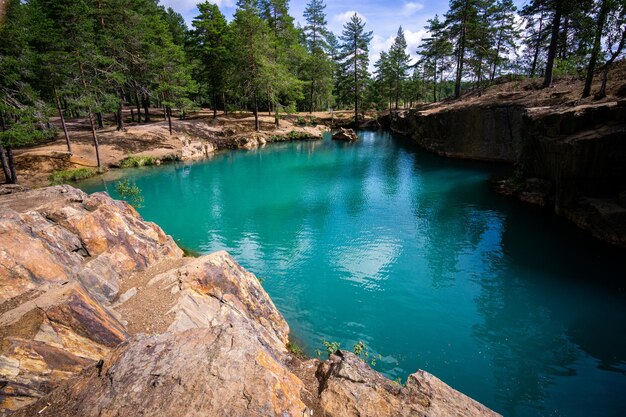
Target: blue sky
point(383, 17)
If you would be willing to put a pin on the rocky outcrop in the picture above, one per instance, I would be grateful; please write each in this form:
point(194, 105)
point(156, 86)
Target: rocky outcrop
point(351, 388)
point(119, 323)
point(485, 132)
point(346, 135)
point(571, 160)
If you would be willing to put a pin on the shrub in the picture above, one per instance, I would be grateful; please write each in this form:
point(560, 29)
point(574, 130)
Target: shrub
point(137, 161)
point(130, 192)
point(65, 176)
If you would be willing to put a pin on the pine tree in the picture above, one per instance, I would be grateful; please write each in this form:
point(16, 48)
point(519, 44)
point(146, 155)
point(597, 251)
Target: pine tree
point(354, 60)
point(460, 18)
point(435, 51)
point(318, 67)
point(209, 51)
point(506, 34)
point(399, 64)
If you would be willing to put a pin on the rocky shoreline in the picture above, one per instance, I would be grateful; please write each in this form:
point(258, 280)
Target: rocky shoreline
point(570, 160)
point(102, 315)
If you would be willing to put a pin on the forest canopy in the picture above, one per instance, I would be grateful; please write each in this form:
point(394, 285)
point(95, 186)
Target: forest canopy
point(86, 58)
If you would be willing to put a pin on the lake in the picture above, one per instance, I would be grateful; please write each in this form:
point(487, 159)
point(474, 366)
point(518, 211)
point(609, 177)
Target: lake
point(380, 242)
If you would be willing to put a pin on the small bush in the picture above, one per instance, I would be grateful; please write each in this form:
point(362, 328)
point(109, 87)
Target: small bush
point(137, 161)
point(65, 176)
point(130, 192)
point(293, 135)
point(301, 121)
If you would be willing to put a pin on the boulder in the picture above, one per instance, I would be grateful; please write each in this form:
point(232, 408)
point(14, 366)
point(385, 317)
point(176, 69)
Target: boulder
point(347, 135)
point(349, 387)
point(51, 338)
point(216, 371)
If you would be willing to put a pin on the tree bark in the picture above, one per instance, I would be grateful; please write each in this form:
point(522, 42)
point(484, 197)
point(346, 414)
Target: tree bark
point(5, 166)
point(67, 136)
point(554, 40)
point(607, 65)
point(91, 122)
point(169, 118)
point(533, 67)
point(596, 48)
point(11, 166)
point(100, 121)
point(146, 107)
point(120, 116)
point(256, 113)
point(138, 105)
point(132, 114)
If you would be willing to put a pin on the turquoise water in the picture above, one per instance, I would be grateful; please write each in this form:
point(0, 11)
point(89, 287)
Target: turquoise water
point(412, 254)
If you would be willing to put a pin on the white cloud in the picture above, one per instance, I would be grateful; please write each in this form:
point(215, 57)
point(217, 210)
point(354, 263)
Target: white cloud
point(345, 16)
point(412, 7)
point(413, 39)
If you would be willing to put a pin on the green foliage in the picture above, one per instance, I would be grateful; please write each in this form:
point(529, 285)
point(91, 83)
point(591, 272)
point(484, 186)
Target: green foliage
point(362, 351)
point(137, 161)
point(130, 192)
point(331, 347)
point(295, 348)
point(72, 175)
point(353, 63)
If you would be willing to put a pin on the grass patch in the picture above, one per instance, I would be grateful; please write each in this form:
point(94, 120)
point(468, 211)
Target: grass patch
point(72, 175)
point(134, 161)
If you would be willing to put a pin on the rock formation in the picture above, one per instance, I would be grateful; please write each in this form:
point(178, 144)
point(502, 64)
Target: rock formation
point(571, 159)
point(346, 135)
point(101, 315)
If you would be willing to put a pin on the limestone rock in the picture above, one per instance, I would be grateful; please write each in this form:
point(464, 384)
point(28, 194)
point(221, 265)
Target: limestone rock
point(347, 135)
point(348, 387)
point(51, 338)
point(217, 371)
point(54, 234)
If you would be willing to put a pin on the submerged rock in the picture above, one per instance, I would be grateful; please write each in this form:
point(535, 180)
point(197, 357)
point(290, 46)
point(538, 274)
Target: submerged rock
point(102, 316)
point(347, 135)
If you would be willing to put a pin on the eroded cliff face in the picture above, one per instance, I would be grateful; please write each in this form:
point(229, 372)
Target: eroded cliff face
point(571, 159)
point(102, 315)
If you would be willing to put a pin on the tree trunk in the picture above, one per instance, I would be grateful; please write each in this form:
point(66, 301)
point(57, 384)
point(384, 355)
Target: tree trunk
point(100, 121)
point(356, 87)
point(146, 107)
point(533, 67)
point(461, 55)
point(12, 173)
point(214, 104)
point(120, 116)
point(607, 65)
point(596, 48)
point(276, 118)
point(169, 118)
point(91, 122)
point(256, 113)
point(554, 40)
point(138, 105)
point(132, 115)
point(67, 136)
point(5, 166)
point(224, 103)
